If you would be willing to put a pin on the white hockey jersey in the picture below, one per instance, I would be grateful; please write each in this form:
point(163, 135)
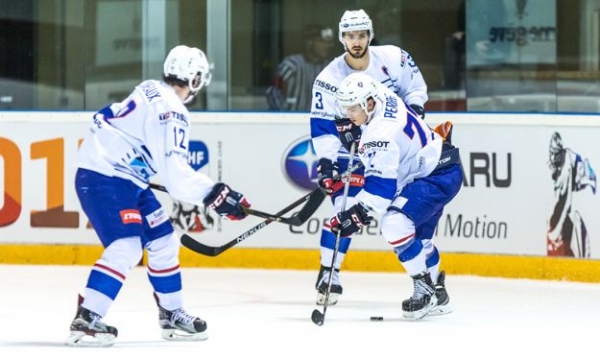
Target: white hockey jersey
point(396, 147)
point(390, 65)
point(144, 135)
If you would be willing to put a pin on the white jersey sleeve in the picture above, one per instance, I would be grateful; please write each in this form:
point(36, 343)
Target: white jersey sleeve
point(403, 74)
point(145, 135)
point(323, 132)
point(396, 147)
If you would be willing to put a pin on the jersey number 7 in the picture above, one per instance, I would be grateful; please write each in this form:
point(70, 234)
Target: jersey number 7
point(413, 124)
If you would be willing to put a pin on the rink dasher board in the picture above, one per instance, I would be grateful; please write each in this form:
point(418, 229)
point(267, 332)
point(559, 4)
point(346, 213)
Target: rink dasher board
point(503, 207)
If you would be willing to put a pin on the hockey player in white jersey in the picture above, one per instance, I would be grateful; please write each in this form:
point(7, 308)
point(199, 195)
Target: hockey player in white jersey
point(411, 173)
point(128, 142)
point(395, 69)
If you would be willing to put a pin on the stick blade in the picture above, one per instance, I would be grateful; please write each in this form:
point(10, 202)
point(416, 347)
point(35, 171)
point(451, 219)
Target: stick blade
point(312, 205)
point(199, 248)
point(317, 317)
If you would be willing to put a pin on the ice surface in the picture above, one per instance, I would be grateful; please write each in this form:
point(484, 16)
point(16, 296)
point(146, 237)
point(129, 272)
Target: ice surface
point(265, 314)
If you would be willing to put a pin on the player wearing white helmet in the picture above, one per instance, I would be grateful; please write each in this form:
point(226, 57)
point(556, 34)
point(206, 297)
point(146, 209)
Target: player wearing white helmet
point(389, 65)
point(144, 135)
point(411, 173)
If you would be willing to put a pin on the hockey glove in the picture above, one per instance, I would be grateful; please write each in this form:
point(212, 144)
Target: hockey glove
point(350, 221)
point(326, 171)
point(418, 109)
point(348, 132)
point(226, 202)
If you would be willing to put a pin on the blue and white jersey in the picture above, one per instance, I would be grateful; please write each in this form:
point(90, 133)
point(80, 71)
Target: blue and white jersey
point(144, 135)
point(396, 148)
point(390, 65)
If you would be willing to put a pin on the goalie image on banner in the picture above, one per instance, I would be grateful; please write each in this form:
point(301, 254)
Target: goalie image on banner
point(567, 233)
point(188, 217)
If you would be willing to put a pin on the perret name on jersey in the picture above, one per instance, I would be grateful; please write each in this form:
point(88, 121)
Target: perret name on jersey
point(391, 107)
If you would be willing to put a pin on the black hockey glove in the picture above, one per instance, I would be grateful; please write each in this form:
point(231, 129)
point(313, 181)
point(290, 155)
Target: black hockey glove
point(350, 221)
point(418, 109)
point(348, 132)
point(226, 202)
point(327, 170)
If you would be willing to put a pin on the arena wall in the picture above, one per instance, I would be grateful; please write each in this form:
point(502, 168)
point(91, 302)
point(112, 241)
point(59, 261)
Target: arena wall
point(497, 226)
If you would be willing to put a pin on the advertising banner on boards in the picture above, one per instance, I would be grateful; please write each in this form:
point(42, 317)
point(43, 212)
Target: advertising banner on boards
point(529, 183)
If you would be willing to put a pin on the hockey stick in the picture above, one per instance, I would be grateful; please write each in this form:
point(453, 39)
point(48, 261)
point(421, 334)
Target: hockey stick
point(315, 199)
point(300, 217)
point(306, 212)
point(316, 196)
point(317, 317)
point(196, 246)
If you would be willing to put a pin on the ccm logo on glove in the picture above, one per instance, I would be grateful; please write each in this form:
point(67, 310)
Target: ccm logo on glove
point(350, 221)
point(226, 202)
point(348, 132)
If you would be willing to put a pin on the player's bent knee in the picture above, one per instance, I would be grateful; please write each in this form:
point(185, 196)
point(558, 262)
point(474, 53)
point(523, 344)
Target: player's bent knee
point(397, 229)
point(428, 246)
point(163, 251)
point(123, 254)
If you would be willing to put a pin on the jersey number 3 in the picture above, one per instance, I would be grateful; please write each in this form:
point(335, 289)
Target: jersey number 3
point(319, 97)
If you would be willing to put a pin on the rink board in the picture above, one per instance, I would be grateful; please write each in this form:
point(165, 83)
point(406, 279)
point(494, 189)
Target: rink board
point(501, 214)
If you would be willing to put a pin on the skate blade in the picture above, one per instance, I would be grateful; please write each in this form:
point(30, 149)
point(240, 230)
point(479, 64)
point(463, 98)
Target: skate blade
point(180, 335)
point(440, 310)
point(419, 314)
point(333, 299)
point(81, 339)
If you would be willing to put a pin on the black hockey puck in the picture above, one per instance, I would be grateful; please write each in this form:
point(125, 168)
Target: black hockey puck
point(376, 318)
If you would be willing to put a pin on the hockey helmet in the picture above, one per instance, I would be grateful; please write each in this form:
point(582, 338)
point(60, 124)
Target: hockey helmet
point(185, 63)
point(355, 20)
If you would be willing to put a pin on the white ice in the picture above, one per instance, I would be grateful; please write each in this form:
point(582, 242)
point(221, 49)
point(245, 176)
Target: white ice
point(265, 314)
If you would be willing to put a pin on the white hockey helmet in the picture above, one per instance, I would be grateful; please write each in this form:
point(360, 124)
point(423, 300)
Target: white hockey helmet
point(356, 88)
point(354, 20)
point(184, 63)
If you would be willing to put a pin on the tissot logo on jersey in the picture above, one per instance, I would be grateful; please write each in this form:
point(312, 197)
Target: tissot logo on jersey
point(373, 144)
point(131, 216)
point(326, 86)
point(172, 115)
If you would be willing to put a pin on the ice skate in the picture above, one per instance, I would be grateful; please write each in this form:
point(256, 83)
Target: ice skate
point(443, 300)
point(422, 300)
point(322, 285)
point(87, 330)
point(177, 325)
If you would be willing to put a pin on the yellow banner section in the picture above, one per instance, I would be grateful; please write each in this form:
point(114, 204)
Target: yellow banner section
point(527, 267)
